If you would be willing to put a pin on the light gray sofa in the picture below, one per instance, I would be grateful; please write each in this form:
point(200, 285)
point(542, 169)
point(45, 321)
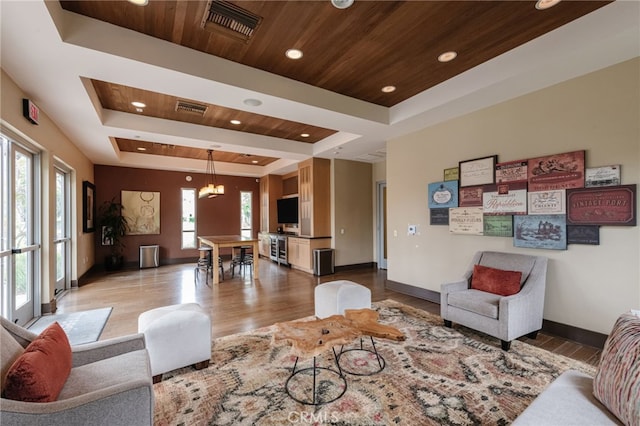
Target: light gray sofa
point(109, 384)
point(504, 317)
point(568, 401)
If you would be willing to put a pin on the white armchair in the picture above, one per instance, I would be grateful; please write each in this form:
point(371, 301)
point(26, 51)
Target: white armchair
point(503, 317)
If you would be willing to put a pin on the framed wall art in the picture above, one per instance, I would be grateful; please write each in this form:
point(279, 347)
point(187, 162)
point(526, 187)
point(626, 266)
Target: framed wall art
point(88, 207)
point(141, 209)
point(443, 194)
point(481, 171)
point(540, 232)
point(466, 220)
point(602, 176)
point(609, 205)
point(451, 173)
point(547, 202)
point(558, 171)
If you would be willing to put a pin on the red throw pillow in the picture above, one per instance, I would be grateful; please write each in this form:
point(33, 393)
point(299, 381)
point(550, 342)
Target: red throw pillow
point(39, 374)
point(496, 281)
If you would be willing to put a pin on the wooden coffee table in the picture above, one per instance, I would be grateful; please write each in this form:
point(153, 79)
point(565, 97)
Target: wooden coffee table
point(309, 339)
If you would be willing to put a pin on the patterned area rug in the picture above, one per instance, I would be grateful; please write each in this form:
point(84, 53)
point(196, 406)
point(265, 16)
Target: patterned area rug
point(437, 376)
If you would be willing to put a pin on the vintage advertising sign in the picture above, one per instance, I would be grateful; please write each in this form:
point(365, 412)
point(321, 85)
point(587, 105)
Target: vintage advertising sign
point(547, 202)
point(511, 171)
point(602, 176)
point(540, 231)
point(451, 174)
point(481, 171)
point(583, 234)
point(611, 205)
point(443, 194)
point(498, 226)
point(466, 220)
point(505, 198)
point(438, 216)
point(559, 171)
point(471, 196)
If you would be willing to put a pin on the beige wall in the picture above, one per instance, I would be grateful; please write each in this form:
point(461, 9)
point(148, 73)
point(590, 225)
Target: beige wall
point(588, 286)
point(53, 144)
point(352, 201)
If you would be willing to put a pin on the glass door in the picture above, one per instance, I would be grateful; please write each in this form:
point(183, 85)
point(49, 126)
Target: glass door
point(62, 238)
point(18, 250)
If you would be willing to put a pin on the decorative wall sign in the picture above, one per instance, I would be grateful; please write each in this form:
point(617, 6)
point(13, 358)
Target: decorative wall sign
point(88, 206)
point(466, 220)
point(512, 171)
point(498, 226)
point(451, 174)
point(481, 171)
point(559, 171)
point(142, 212)
point(470, 196)
point(583, 234)
point(439, 217)
point(602, 176)
point(548, 202)
point(505, 198)
point(540, 232)
point(611, 205)
point(443, 194)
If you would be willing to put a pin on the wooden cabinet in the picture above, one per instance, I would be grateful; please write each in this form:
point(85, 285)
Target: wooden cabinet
point(300, 251)
point(270, 192)
point(314, 197)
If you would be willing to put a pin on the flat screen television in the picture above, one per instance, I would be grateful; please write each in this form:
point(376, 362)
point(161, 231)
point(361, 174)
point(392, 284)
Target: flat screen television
point(288, 210)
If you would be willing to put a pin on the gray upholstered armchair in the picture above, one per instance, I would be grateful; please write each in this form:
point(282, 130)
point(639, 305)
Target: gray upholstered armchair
point(109, 384)
point(504, 317)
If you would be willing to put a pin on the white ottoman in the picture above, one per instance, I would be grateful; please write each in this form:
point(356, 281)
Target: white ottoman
point(176, 336)
point(334, 297)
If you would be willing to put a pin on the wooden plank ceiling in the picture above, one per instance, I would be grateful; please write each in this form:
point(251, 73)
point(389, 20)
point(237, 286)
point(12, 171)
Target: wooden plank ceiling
point(355, 51)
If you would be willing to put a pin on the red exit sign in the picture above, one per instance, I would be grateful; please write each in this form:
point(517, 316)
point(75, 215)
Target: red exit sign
point(30, 111)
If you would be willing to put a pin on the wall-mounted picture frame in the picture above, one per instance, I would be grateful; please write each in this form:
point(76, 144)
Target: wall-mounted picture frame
point(451, 173)
point(443, 194)
point(88, 207)
point(602, 176)
point(607, 205)
point(479, 171)
point(141, 210)
point(540, 231)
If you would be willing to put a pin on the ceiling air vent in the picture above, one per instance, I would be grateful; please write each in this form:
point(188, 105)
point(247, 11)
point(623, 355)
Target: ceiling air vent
point(191, 107)
point(231, 20)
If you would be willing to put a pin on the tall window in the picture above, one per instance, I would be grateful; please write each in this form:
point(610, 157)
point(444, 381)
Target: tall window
point(188, 218)
point(245, 213)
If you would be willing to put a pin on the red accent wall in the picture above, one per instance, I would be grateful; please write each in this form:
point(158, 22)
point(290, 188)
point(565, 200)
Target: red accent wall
point(215, 216)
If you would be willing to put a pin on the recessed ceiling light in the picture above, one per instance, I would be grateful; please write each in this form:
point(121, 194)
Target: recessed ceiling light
point(389, 89)
point(252, 102)
point(447, 56)
point(294, 54)
point(254, 161)
point(139, 2)
point(341, 4)
point(236, 122)
point(138, 104)
point(546, 4)
point(141, 148)
point(304, 135)
point(139, 110)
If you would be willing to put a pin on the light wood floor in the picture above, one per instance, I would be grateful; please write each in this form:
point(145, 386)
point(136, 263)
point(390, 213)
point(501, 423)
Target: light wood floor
point(240, 304)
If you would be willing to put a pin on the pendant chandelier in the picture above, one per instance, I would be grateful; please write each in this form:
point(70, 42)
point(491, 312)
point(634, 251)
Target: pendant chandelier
point(211, 189)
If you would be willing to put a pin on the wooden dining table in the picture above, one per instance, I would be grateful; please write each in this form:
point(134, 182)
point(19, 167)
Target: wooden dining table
point(216, 242)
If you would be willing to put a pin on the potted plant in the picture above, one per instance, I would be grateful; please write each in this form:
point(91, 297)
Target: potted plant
point(114, 227)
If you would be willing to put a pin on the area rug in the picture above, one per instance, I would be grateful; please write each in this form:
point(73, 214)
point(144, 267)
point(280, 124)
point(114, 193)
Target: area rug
point(437, 376)
point(81, 327)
